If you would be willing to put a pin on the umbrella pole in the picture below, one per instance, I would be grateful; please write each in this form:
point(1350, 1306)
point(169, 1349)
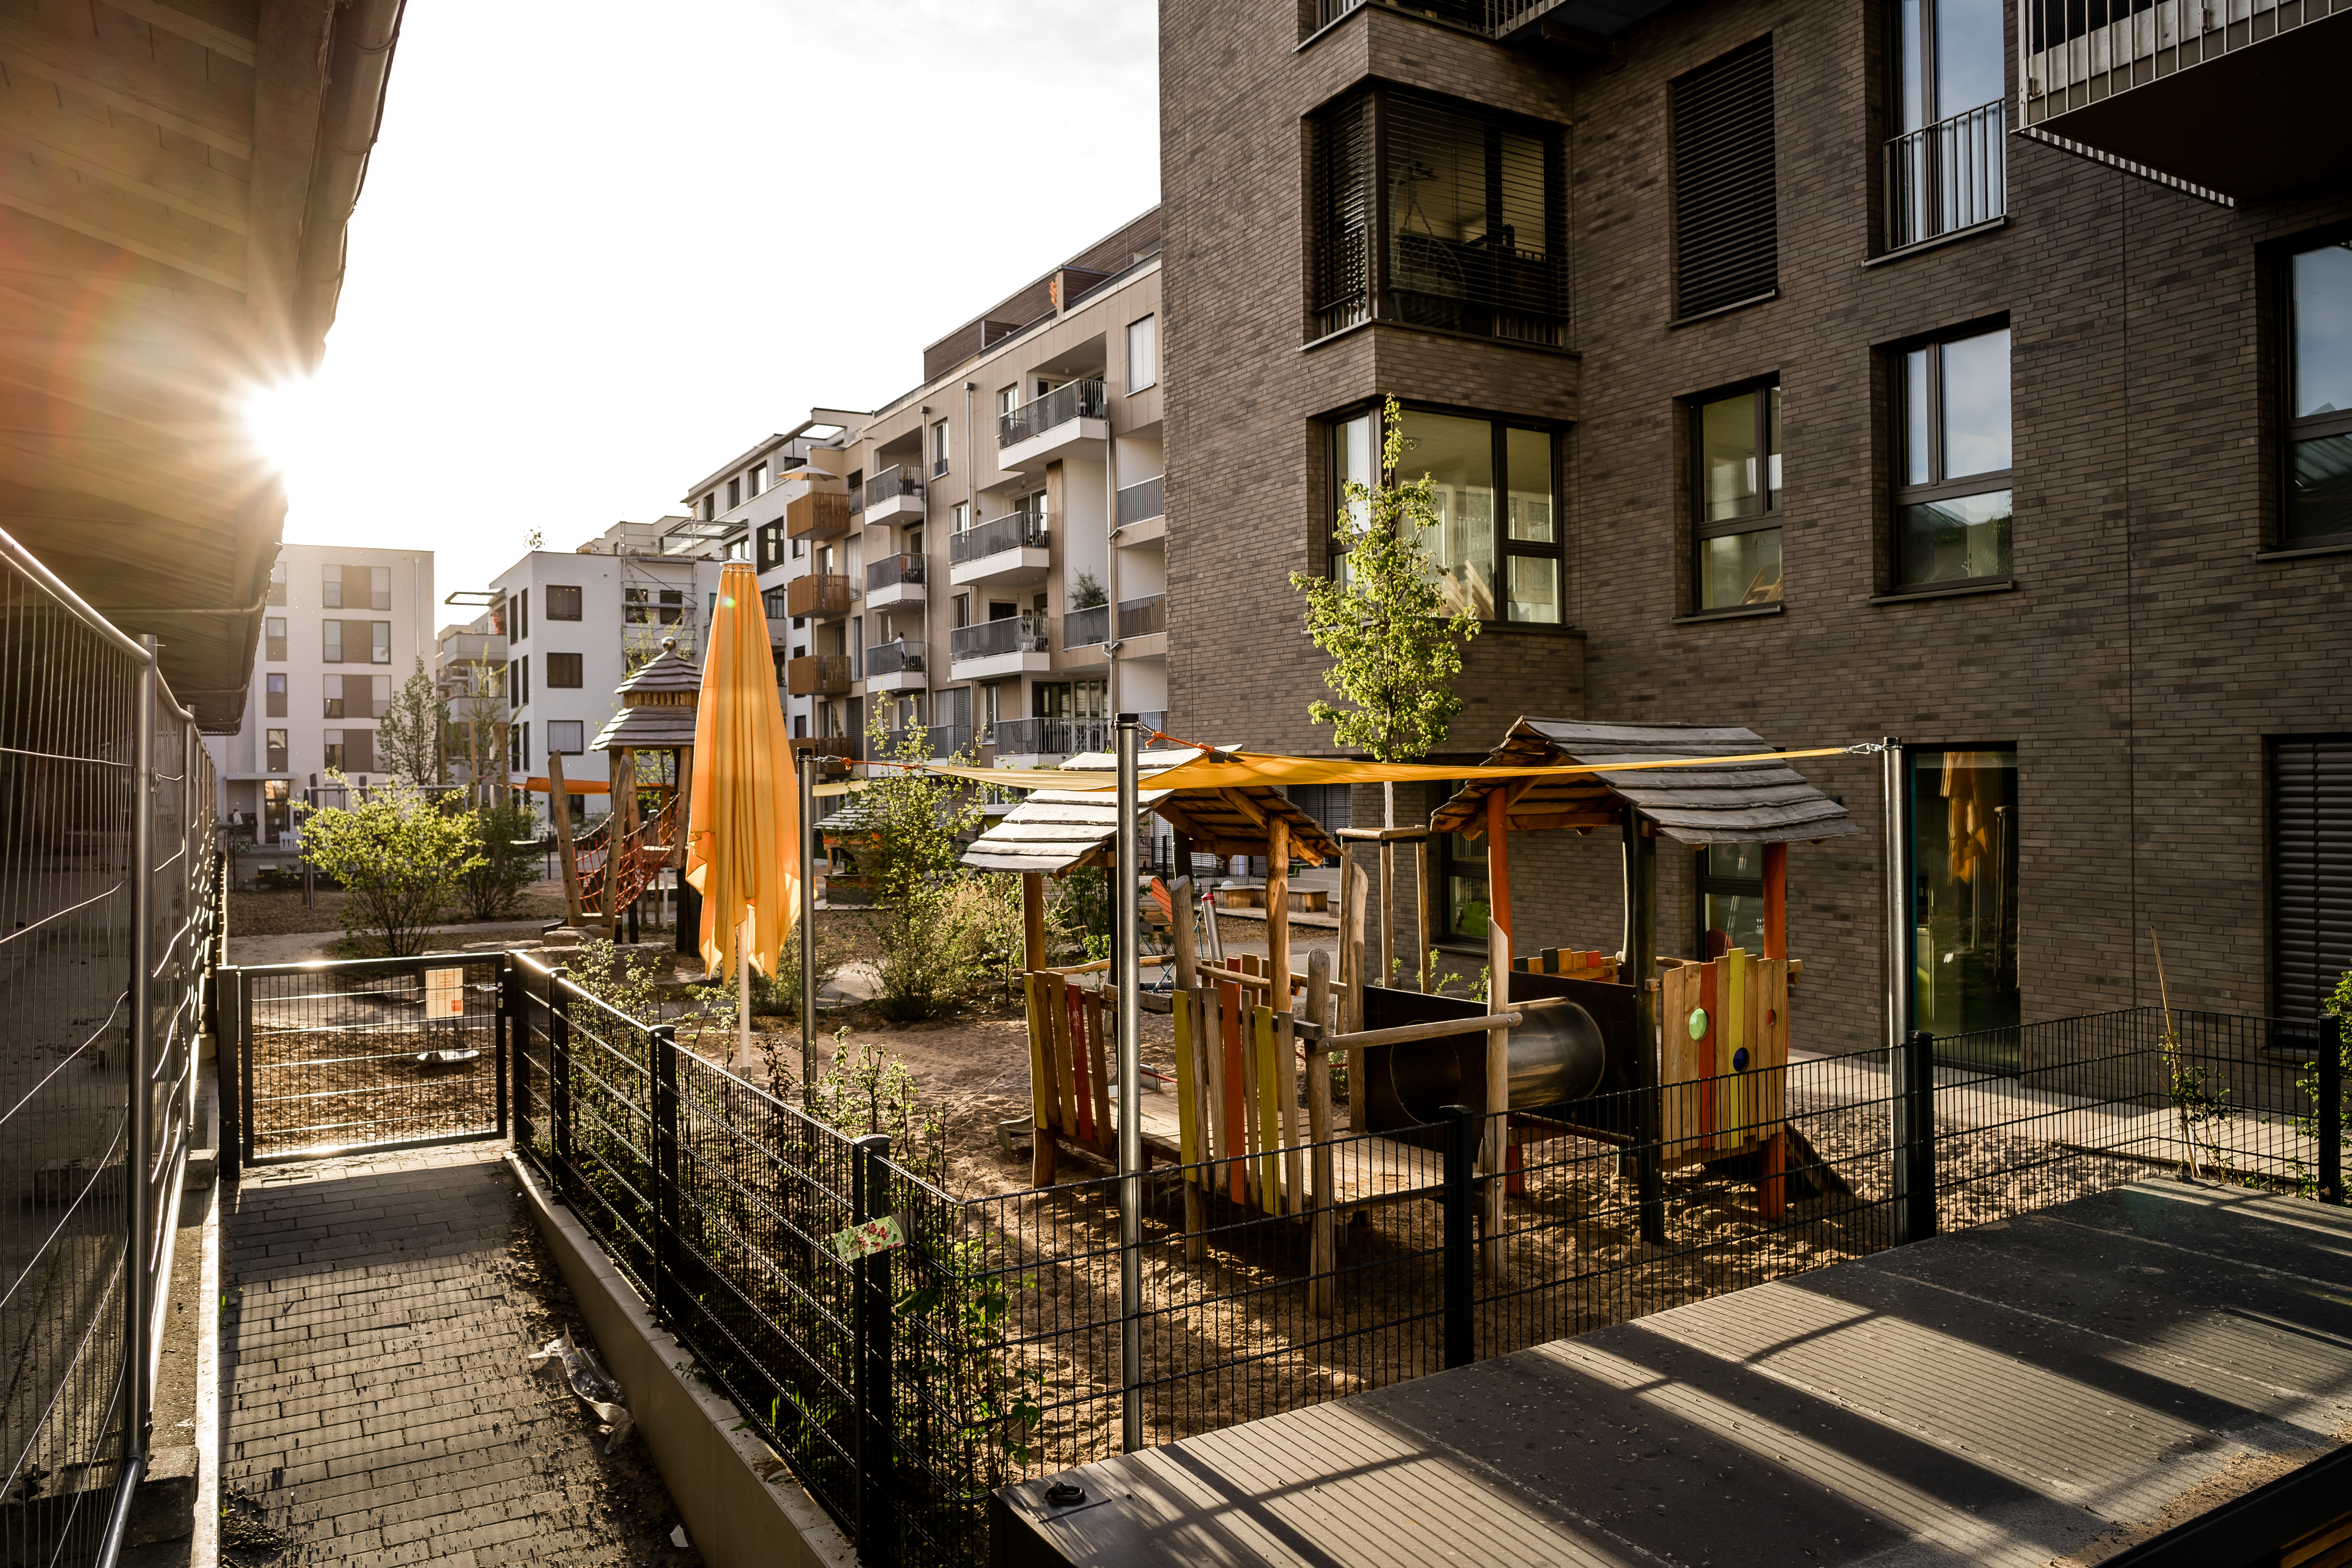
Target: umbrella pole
point(804, 781)
point(742, 997)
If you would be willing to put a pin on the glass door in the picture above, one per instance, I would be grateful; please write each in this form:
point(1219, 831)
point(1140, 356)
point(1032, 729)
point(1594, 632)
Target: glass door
point(1964, 906)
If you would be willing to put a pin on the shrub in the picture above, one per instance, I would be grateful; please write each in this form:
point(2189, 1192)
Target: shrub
point(780, 996)
point(494, 888)
point(398, 855)
point(922, 931)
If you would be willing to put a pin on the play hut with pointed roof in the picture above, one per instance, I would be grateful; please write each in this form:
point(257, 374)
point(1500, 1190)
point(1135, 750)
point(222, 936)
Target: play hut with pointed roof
point(1054, 832)
point(1703, 1043)
point(649, 746)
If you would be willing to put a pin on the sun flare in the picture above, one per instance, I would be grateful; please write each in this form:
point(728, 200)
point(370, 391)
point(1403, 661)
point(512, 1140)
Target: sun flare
point(283, 419)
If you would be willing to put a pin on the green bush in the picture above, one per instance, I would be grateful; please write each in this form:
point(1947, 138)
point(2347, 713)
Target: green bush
point(399, 857)
point(924, 931)
point(494, 888)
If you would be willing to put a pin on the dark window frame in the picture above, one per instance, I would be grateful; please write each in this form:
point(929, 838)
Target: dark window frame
point(1771, 518)
point(1704, 882)
point(1937, 488)
point(1700, 184)
point(1499, 427)
point(572, 664)
point(2293, 430)
point(552, 594)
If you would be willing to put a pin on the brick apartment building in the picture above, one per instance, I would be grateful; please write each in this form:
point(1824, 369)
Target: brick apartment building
point(1771, 375)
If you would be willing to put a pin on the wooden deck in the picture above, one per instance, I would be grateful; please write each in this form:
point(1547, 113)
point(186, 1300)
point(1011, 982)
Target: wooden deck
point(2008, 1395)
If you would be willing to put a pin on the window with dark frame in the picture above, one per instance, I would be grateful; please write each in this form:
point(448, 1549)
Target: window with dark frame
point(1731, 897)
point(564, 735)
point(2317, 448)
point(1726, 199)
point(330, 697)
point(274, 697)
point(273, 745)
point(330, 642)
point(1467, 214)
point(562, 604)
point(1952, 462)
point(1736, 521)
point(563, 671)
point(273, 639)
point(1472, 462)
point(1947, 164)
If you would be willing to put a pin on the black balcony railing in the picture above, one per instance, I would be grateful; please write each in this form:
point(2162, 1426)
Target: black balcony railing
point(936, 739)
point(892, 483)
point(892, 570)
point(990, 639)
point(1948, 177)
point(894, 658)
point(1141, 617)
point(1082, 628)
point(1141, 502)
point(1013, 531)
point(1071, 400)
point(1051, 737)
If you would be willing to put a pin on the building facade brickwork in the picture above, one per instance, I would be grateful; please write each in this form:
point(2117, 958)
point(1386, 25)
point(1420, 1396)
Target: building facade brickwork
point(2139, 659)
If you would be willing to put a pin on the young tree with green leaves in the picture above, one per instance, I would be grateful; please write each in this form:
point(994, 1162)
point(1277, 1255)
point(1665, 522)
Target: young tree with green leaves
point(1395, 653)
point(925, 929)
point(408, 733)
point(399, 854)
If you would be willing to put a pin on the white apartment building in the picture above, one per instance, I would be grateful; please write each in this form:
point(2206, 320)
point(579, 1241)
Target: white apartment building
point(343, 627)
point(985, 556)
point(574, 623)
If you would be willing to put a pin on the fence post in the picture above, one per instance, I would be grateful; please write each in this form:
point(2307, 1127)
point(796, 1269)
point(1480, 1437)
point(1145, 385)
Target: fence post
point(665, 1075)
point(514, 1025)
point(869, 1197)
point(1461, 1332)
point(229, 1071)
point(499, 1041)
point(1914, 1116)
point(559, 1075)
point(140, 1153)
point(2331, 1110)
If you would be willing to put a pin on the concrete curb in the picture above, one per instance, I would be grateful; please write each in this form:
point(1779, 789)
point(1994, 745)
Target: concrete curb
point(734, 1517)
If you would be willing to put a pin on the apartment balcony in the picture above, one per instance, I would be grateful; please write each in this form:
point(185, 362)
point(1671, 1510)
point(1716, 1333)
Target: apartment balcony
point(1086, 627)
point(1007, 550)
point(895, 496)
point(1144, 502)
point(824, 595)
point(1141, 620)
point(818, 674)
point(994, 649)
point(894, 580)
point(1949, 177)
point(820, 514)
point(1043, 738)
point(826, 745)
point(897, 665)
point(2236, 96)
point(1071, 421)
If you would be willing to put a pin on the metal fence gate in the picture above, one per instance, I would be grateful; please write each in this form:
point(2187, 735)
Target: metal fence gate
point(381, 1053)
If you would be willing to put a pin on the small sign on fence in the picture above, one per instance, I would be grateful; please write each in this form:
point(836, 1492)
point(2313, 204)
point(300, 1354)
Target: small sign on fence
point(865, 1240)
point(445, 993)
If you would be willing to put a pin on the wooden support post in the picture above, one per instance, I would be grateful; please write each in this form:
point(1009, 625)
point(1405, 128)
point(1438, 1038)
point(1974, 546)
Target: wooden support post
point(1775, 900)
point(1351, 991)
point(1318, 1133)
point(616, 825)
point(1192, 1008)
point(1493, 1157)
point(1427, 900)
point(1277, 910)
point(1386, 975)
point(559, 810)
point(1032, 920)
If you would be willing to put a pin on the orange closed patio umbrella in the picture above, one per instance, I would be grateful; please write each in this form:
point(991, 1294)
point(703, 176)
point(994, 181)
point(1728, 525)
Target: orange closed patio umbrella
point(742, 851)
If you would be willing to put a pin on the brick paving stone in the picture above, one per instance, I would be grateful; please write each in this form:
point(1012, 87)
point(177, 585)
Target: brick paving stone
point(381, 1409)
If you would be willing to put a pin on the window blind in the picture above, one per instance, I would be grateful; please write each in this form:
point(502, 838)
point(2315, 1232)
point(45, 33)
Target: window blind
point(1727, 231)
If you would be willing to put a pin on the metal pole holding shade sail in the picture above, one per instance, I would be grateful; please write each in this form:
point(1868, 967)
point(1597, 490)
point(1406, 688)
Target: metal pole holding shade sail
point(1130, 1098)
point(805, 773)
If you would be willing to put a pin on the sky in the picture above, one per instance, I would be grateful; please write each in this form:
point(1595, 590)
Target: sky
point(604, 247)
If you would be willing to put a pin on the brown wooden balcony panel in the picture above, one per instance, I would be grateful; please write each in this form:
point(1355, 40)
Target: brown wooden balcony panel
point(820, 594)
point(820, 514)
point(817, 675)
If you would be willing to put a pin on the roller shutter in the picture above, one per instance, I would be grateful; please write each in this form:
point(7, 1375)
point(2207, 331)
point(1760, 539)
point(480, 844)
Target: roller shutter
point(1726, 228)
point(2311, 870)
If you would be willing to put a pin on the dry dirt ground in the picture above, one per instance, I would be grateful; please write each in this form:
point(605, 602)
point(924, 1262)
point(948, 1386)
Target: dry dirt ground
point(252, 913)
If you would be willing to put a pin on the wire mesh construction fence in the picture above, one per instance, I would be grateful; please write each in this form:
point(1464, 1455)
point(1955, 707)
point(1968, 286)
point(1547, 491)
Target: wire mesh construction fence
point(109, 931)
point(984, 1340)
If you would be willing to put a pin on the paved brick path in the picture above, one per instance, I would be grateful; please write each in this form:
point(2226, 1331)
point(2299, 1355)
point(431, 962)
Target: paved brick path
point(380, 1410)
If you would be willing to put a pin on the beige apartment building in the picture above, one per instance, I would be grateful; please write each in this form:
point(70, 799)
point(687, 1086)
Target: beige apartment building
point(982, 558)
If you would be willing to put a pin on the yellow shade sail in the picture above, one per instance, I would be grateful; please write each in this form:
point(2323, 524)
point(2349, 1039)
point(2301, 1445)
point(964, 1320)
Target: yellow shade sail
point(743, 847)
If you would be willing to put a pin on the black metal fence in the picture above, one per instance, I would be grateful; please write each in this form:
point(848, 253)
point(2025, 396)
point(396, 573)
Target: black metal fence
point(903, 1385)
point(110, 891)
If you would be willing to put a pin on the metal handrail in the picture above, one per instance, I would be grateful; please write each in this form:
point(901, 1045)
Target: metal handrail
point(1013, 531)
point(1082, 399)
point(1141, 617)
point(1081, 628)
point(893, 657)
point(1023, 633)
point(893, 569)
point(1948, 177)
point(892, 482)
point(1143, 501)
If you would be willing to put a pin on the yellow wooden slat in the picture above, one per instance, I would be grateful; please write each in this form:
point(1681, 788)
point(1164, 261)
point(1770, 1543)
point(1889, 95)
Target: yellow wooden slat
point(1040, 1080)
point(1187, 1142)
point(1731, 1100)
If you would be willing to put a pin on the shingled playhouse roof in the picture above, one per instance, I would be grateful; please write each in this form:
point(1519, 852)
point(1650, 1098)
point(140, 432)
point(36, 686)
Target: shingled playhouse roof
point(1058, 830)
point(1733, 803)
point(657, 704)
